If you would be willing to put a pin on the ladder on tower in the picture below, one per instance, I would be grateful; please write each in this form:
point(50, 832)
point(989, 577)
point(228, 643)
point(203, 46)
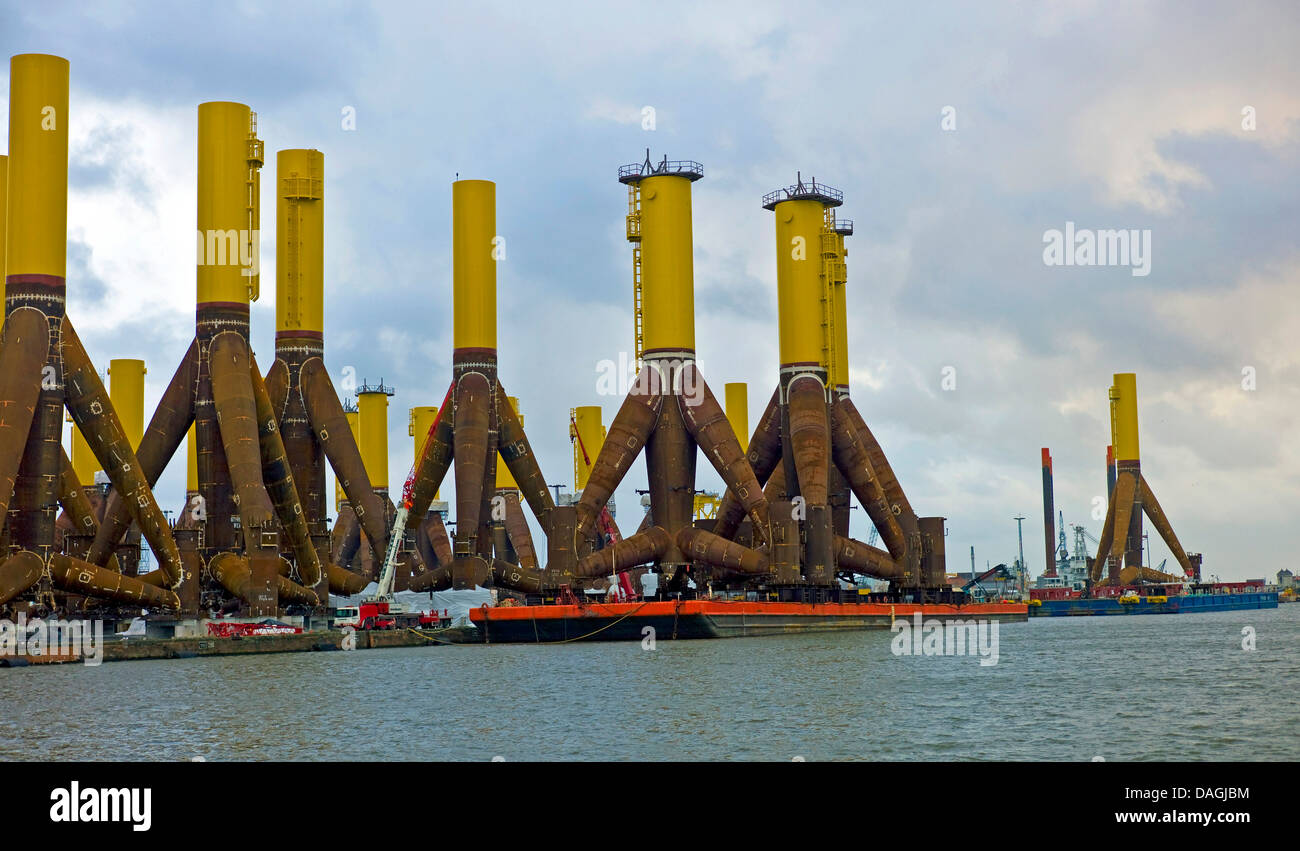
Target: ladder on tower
point(834, 274)
point(634, 237)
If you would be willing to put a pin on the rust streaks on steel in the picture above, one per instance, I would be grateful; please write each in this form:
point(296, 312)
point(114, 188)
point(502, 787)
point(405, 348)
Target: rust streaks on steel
point(708, 424)
point(82, 577)
point(91, 408)
point(703, 546)
point(23, 351)
point(641, 548)
point(278, 476)
point(331, 427)
point(522, 462)
point(167, 428)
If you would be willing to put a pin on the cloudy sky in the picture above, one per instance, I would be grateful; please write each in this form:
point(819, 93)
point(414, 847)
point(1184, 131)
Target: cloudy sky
point(959, 135)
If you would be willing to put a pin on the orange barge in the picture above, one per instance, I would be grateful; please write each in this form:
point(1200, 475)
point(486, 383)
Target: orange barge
point(680, 619)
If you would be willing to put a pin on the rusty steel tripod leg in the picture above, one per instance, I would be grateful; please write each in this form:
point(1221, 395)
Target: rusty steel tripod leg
point(344, 582)
point(702, 546)
point(854, 463)
point(471, 420)
point(280, 482)
point(517, 577)
point(72, 496)
point(346, 536)
point(708, 424)
point(167, 428)
point(764, 454)
point(19, 572)
point(627, 436)
point(232, 393)
point(1161, 522)
point(521, 537)
point(437, 579)
point(435, 461)
point(1106, 542)
point(869, 561)
point(331, 427)
point(89, 404)
point(522, 462)
point(23, 351)
point(641, 548)
point(81, 577)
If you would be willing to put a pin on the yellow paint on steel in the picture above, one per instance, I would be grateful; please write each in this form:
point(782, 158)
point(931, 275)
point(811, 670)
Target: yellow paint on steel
point(667, 264)
point(126, 389)
point(372, 435)
point(354, 425)
point(587, 433)
point(737, 396)
point(1124, 416)
point(505, 480)
point(475, 249)
point(420, 422)
point(228, 207)
point(84, 463)
point(300, 240)
point(37, 191)
point(799, 287)
point(191, 463)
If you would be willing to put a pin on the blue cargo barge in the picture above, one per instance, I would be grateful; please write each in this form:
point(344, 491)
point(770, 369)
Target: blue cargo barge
point(1153, 604)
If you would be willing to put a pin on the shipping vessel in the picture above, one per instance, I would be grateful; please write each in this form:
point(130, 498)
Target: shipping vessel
point(1169, 599)
point(684, 619)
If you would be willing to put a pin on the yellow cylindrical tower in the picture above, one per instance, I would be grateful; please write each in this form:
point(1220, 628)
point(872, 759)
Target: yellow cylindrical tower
point(667, 264)
point(126, 389)
point(4, 207)
point(737, 396)
point(228, 209)
point(798, 282)
point(505, 480)
point(372, 432)
point(588, 435)
point(37, 190)
point(421, 420)
point(191, 463)
point(1124, 416)
point(474, 265)
point(300, 240)
point(354, 425)
point(83, 460)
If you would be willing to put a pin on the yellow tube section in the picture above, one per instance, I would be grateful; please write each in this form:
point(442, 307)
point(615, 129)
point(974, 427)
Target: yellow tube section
point(300, 241)
point(473, 264)
point(37, 191)
point(372, 433)
point(421, 421)
point(504, 479)
point(799, 284)
point(737, 396)
point(191, 463)
point(667, 264)
point(84, 463)
point(354, 425)
point(228, 215)
point(4, 206)
point(1124, 415)
point(839, 366)
point(587, 426)
point(126, 389)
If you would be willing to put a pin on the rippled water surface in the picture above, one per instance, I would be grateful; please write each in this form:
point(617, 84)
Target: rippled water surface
point(1123, 688)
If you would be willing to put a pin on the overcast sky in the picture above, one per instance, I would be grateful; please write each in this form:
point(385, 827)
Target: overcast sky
point(959, 135)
